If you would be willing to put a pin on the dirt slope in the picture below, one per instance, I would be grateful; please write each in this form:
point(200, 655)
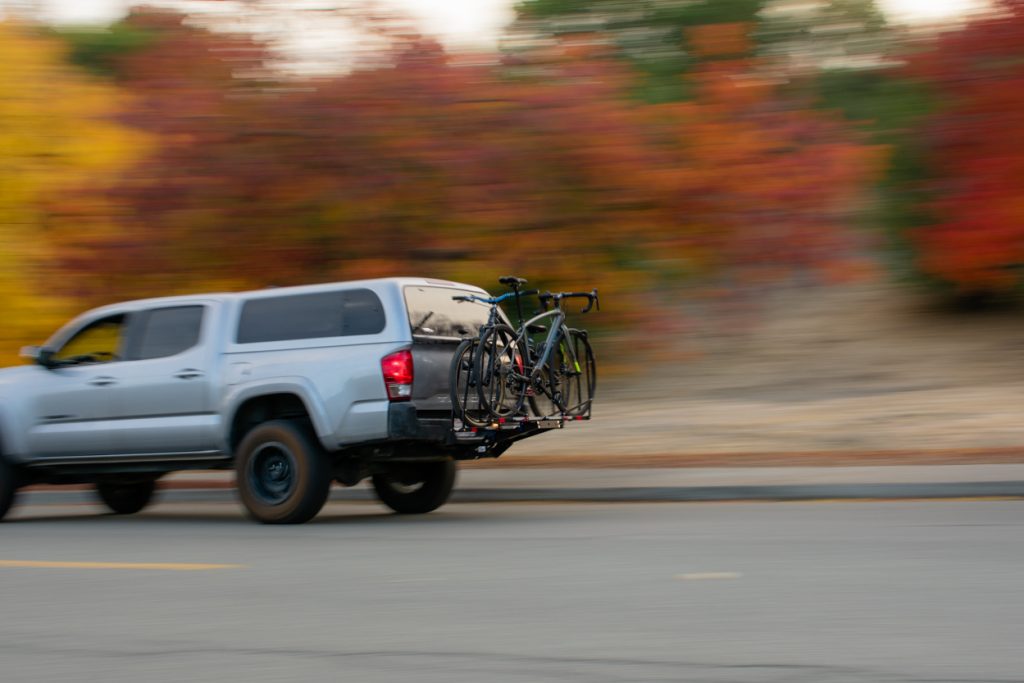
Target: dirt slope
point(858, 369)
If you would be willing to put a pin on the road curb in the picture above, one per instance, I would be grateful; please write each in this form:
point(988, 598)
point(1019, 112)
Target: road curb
point(626, 494)
point(683, 494)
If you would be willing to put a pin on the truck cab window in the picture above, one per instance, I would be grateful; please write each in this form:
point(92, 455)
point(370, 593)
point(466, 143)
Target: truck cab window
point(169, 331)
point(98, 342)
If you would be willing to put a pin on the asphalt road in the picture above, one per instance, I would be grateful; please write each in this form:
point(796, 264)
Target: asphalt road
point(709, 592)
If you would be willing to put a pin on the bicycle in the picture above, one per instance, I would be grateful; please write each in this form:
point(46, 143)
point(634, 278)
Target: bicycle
point(463, 380)
point(557, 376)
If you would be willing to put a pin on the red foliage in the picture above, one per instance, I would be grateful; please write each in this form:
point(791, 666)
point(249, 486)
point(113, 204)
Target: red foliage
point(976, 148)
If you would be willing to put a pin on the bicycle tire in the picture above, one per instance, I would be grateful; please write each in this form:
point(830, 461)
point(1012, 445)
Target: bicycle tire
point(462, 385)
point(537, 397)
point(555, 379)
point(585, 372)
point(499, 369)
point(542, 405)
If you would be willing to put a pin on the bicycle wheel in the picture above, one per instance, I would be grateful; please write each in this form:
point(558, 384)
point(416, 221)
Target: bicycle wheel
point(462, 385)
point(538, 392)
point(581, 375)
point(499, 372)
point(556, 382)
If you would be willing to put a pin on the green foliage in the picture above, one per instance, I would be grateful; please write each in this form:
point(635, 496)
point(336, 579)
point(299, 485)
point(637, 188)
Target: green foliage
point(659, 81)
point(893, 108)
point(98, 49)
point(654, 36)
point(541, 9)
point(864, 11)
point(679, 15)
point(630, 14)
point(882, 99)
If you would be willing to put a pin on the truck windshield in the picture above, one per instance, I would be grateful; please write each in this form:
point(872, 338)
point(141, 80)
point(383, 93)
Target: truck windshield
point(432, 313)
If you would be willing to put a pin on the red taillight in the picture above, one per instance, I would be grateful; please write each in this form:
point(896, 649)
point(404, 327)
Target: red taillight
point(397, 370)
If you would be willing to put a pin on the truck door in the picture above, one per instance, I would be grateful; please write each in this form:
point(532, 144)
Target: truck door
point(72, 400)
point(163, 402)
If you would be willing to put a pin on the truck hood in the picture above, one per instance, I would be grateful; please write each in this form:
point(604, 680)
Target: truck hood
point(18, 374)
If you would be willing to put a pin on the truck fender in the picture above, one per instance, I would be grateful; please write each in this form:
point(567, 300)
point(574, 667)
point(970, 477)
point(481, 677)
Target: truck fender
point(298, 386)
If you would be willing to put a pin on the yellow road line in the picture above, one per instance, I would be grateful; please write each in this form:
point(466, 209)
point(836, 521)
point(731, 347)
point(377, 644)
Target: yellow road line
point(159, 566)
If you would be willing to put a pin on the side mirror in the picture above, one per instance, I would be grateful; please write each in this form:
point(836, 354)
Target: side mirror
point(40, 355)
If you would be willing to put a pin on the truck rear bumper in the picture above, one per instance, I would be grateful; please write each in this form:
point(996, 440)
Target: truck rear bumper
point(405, 422)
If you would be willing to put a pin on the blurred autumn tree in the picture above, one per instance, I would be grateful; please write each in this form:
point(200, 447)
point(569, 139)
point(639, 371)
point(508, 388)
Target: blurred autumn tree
point(838, 55)
point(970, 227)
point(657, 36)
point(201, 97)
point(422, 163)
point(55, 132)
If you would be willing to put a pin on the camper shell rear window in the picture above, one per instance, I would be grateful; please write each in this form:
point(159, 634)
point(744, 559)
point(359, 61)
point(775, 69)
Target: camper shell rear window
point(433, 312)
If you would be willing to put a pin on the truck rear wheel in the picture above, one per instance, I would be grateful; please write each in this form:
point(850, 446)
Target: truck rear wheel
point(126, 497)
point(415, 488)
point(8, 486)
point(283, 474)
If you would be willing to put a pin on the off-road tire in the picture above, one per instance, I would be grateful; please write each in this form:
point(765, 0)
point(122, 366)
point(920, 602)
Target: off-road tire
point(283, 474)
point(126, 497)
point(8, 486)
point(416, 488)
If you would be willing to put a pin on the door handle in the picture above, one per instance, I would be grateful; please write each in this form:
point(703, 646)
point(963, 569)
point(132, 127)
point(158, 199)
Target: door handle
point(188, 373)
point(102, 381)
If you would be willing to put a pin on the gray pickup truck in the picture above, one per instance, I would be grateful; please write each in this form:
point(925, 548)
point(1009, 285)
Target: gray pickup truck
point(293, 388)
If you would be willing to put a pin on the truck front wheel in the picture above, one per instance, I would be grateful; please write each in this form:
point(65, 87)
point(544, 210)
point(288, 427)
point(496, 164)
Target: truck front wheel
point(126, 497)
point(283, 474)
point(8, 486)
point(415, 488)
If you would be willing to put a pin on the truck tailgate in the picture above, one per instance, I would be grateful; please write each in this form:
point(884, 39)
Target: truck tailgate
point(432, 362)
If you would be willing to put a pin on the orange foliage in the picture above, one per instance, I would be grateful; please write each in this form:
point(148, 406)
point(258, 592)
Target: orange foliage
point(719, 40)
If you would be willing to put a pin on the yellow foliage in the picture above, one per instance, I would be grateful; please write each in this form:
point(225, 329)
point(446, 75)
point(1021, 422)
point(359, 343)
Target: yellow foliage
point(56, 131)
point(103, 341)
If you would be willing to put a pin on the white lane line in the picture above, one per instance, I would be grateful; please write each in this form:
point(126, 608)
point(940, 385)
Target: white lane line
point(707, 576)
point(153, 566)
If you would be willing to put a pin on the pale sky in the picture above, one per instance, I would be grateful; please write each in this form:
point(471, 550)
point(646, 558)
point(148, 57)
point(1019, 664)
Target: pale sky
point(926, 10)
point(470, 23)
point(459, 23)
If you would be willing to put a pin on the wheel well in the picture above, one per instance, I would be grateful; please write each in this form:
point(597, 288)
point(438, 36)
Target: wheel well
point(263, 408)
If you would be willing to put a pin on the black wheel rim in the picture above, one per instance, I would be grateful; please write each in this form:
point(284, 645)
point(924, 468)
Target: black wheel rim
point(271, 473)
point(403, 487)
